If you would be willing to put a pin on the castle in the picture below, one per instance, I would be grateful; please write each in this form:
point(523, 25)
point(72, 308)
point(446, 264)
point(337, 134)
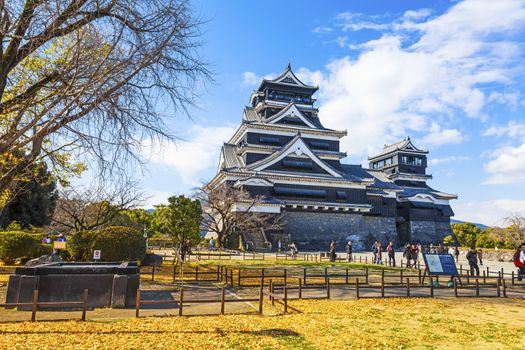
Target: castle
point(283, 152)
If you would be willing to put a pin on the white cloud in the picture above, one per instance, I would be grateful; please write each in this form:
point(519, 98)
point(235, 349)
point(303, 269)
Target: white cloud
point(506, 163)
point(421, 73)
point(491, 212)
point(323, 29)
point(250, 79)
point(438, 136)
point(192, 159)
point(513, 129)
point(449, 159)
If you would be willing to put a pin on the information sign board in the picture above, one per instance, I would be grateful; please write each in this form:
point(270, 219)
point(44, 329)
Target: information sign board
point(96, 254)
point(440, 264)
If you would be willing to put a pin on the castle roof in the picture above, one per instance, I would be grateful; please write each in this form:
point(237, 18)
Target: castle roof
point(403, 145)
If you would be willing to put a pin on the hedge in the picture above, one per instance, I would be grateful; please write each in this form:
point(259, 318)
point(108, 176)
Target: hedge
point(16, 245)
point(117, 243)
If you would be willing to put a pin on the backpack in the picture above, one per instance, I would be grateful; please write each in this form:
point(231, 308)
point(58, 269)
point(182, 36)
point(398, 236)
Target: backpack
point(516, 260)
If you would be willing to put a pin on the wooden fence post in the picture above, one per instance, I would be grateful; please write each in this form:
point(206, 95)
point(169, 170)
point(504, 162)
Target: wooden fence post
point(34, 305)
point(261, 299)
point(223, 297)
point(346, 276)
point(231, 277)
point(484, 277)
point(181, 300)
point(285, 299)
point(153, 273)
point(431, 287)
point(197, 273)
point(304, 276)
point(300, 289)
point(272, 291)
point(326, 275)
point(512, 278)
point(84, 304)
point(477, 287)
point(262, 276)
point(218, 273)
point(137, 304)
point(401, 276)
point(504, 288)
point(408, 287)
point(419, 276)
point(366, 277)
point(382, 283)
point(460, 269)
point(174, 272)
point(284, 276)
point(357, 288)
point(455, 288)
point(498, 283)
point(328, 288)
point(239, 278)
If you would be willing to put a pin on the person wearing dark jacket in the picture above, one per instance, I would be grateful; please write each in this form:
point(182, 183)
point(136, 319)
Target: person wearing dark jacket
point(391, 254)
point(472, 258)
point(333, 255)
point(349, 251)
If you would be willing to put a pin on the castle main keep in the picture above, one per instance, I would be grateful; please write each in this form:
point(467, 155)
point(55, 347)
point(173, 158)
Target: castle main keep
point(283, 152)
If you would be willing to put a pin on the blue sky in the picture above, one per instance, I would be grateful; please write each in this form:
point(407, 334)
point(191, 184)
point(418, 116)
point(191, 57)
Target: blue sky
point(449, 74)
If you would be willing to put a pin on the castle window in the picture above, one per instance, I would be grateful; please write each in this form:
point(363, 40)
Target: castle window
point(411, 160)
point(388, 161)
point(299, 192)
point(301, 164)
point(269, 140)
point(319, 145)
point(341, 195)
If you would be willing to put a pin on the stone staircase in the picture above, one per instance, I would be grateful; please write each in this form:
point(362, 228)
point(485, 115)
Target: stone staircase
point(256, 240)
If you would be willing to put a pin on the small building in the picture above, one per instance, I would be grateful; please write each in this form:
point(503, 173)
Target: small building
point(283, 152)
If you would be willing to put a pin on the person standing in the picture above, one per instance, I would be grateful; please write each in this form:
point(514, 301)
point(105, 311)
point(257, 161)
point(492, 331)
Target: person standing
point(456, 253)
point(519, 261)
point(211, 245)
point(293, 249)
point(279, 246)
point(472, 258)
point(391, 254)
point(349, 251)
point(407, 254)
point(415, 254)
point(332, 251)
point(480, 257)
point(379, 253)
point(374, 251)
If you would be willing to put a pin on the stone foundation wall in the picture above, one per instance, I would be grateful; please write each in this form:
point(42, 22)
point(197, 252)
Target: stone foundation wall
point(427, 232)
point(314, 231)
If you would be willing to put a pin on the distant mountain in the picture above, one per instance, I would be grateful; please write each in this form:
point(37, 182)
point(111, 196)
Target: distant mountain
point(452, 221)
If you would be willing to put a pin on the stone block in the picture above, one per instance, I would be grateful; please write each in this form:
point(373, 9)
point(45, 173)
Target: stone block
point(118, 293)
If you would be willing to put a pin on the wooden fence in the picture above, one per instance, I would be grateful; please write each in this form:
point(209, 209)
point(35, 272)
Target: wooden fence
point(35, 304)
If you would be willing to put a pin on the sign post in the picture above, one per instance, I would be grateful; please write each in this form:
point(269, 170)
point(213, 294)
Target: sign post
point(96, 254)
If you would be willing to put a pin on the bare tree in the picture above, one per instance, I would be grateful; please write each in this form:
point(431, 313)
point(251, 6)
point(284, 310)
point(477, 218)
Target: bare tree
point(86, 77)
point(228, 210)
point(94, 207)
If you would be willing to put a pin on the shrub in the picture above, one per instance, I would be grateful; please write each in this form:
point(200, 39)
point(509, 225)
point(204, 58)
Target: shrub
point(117, 243)
point(16, 245)
point(42, 249)
point(78, 245)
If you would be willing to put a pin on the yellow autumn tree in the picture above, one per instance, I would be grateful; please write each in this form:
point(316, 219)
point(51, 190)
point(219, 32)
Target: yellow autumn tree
point(81, 80)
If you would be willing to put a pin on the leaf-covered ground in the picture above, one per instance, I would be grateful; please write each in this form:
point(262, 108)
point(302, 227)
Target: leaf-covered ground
point(349, 324)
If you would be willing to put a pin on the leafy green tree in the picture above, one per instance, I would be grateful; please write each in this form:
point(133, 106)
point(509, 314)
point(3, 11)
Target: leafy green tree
point(181, 220)
point(33, 201)
point(466, 233)
point(140, 219)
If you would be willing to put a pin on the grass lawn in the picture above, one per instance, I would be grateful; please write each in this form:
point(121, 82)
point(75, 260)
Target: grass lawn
point(321, 324)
